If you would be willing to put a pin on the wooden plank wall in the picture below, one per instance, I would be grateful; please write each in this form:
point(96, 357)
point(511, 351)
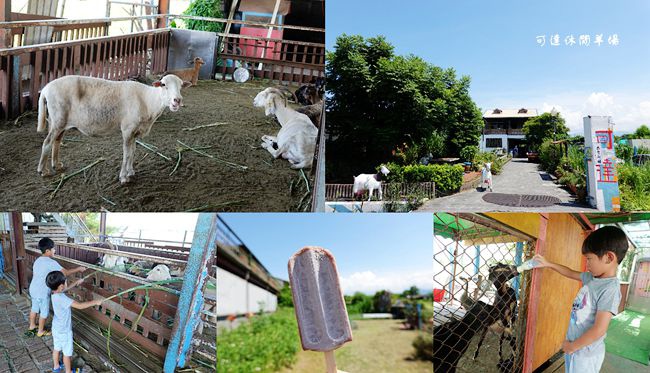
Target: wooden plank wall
point(115, 58)
point(554, 293)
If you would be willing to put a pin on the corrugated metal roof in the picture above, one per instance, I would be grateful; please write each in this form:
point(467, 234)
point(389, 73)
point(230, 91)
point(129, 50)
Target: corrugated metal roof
point(510, 113)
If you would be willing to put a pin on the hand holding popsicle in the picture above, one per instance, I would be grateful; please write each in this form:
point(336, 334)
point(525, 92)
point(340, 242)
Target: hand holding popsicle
point(320, 308)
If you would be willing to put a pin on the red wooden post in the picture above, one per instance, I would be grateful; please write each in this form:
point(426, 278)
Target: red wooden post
point(163, 8)
point(5, 16)
point(535, 283)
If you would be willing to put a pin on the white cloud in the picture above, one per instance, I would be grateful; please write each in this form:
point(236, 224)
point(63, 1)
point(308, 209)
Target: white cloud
point(369, 282)
point(627, 112)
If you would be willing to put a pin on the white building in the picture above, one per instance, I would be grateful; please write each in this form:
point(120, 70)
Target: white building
point(504, 129)
point(244, 285)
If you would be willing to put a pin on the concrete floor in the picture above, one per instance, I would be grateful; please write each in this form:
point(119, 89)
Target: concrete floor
point(518, 177)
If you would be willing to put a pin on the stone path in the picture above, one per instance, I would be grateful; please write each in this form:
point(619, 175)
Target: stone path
point(19, 353)
point(518, 177)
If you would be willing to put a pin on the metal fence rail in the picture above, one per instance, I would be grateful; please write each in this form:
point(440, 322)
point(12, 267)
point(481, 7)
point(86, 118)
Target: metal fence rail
point(82, 47)
point(480, 300)
point(390, 191)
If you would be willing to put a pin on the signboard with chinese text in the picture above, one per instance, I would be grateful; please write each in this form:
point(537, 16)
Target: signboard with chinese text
point(602, 179)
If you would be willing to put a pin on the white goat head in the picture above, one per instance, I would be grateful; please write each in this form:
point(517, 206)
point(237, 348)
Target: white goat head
point(270, 99)
point(384, 170)
point(171, 90)
point(159, 273)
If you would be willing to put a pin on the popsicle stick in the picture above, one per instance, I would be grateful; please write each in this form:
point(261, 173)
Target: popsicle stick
point(330, 362)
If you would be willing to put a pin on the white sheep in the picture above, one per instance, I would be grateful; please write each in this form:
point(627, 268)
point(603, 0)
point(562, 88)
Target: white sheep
point(369, 182)
point(296, 140)
point(159, 273)
point(98, 107)
point(114, 262)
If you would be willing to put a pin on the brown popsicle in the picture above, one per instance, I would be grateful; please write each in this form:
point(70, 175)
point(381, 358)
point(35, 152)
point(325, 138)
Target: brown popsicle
point(318, 302)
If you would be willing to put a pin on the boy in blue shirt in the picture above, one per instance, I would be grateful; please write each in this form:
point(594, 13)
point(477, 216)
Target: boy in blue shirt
point(38, 290)
point(596, 302)
point(62, 320)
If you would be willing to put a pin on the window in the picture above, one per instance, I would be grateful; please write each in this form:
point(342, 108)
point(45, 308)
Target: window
point(493, 143)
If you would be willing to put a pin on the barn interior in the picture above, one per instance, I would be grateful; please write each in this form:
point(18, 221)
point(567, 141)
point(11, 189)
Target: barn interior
point(159, 308)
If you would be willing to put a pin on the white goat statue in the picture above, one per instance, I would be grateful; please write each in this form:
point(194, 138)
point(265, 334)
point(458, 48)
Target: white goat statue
point(486, 177)
point(369, 182)
point(98, 107)
point(159, 273)
point(296, 140)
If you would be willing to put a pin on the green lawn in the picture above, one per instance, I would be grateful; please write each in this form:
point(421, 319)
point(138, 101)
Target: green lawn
point(377, 346)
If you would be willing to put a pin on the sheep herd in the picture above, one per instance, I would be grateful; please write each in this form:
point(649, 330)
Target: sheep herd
point(98, 107)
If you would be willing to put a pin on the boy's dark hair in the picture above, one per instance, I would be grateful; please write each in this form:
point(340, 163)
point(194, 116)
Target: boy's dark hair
point(54, 279)
point(606, 239)
point(45, 244)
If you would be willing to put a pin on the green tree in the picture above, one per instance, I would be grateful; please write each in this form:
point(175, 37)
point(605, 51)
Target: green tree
point(379, 101)
point(285, 299)
point(412, 291)
point(642, 132)
point(381, 301)
point(544, 127)
point(204, 8)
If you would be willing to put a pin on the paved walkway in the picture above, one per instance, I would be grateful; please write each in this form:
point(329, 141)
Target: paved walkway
point(518, 177)
point(19, 353)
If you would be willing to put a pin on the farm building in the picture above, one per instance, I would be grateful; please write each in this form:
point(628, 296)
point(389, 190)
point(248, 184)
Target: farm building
point(161, 298)
point(504, 129)
point(475, 250)
point(210, 148)
point(245, 286)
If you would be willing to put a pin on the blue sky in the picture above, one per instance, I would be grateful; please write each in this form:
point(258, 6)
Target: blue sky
point(494, 42)
point(372, 251)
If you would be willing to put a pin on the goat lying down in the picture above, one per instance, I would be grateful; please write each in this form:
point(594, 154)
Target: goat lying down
point(98, 107)
point(296, 140)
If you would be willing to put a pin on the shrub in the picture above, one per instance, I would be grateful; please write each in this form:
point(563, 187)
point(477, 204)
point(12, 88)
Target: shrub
point(448, 178)
point(624, 152)
point(265, 344)
point(468, 153)
point(434, 145)
point(423, 345)
point(285, 298)
point(359, 303)
point(482, 158)
point(634, 184)
point(381, 301)
point(550, 156)
point(204, 8)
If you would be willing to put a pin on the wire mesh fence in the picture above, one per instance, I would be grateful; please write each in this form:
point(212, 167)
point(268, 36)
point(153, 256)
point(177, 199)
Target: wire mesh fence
point(480, 299)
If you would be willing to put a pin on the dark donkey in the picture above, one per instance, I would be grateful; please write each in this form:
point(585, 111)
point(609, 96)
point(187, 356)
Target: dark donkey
point(451, 340)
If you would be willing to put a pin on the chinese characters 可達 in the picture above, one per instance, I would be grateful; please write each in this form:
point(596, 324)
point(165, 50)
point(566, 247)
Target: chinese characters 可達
point(583, 40)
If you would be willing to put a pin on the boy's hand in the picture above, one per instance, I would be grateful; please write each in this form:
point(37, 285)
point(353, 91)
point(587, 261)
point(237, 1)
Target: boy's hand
point(78, 282)
point(81, 268)
point(97, 302)
point(568, 347)
point(541, 260)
